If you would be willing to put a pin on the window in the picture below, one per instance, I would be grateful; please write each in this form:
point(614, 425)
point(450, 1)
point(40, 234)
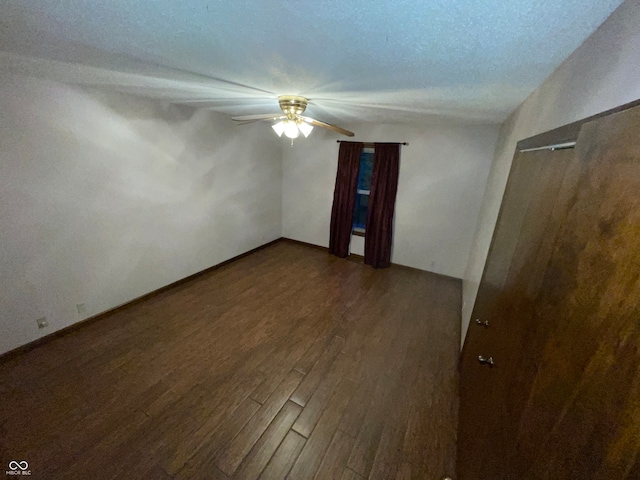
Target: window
point(362, 194)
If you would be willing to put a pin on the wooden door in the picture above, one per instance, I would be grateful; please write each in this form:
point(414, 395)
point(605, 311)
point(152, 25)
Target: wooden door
point(528, 210)
point(565, 391)
point(583, 411)
point(514, 341)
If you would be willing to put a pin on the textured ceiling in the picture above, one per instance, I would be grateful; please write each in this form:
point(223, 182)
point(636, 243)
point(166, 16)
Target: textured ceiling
point(393, 61)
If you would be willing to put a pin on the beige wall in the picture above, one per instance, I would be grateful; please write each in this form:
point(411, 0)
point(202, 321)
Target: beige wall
point(603, 73)
point(443, 174)
point(105, 197)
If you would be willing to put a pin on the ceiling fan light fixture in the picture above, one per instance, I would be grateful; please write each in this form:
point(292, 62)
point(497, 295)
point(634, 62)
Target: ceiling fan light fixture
point(279, 128)
point(305, 128)
point(291, 129)
point(291, 122)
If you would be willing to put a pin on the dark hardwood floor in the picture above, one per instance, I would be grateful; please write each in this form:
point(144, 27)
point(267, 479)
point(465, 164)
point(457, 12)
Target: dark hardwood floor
point(288, 363)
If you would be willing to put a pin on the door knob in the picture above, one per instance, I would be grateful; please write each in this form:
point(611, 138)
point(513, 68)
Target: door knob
point(481, 323)
point(486, 360)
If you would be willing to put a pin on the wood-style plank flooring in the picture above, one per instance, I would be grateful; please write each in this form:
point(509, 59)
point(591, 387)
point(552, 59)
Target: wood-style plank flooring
point(288, 363)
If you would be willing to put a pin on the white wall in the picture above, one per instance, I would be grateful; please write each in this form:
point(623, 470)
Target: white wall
point(106, 197)
point(603, 73)
point(443, 173)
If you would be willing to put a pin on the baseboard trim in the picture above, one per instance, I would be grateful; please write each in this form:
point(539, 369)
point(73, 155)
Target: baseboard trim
point(71, 328)
point(99, 316)
point(360, 259)
point(351, 256)
point(306, 244)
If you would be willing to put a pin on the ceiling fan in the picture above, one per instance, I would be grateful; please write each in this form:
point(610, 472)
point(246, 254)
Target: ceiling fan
point(291, 122)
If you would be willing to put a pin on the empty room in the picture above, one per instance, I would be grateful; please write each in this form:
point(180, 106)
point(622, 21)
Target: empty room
point(320, 240)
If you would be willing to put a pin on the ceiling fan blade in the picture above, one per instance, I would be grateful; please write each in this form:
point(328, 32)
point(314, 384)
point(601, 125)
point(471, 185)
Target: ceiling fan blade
point(264, 116)
point(246, 122)
point(318, 123)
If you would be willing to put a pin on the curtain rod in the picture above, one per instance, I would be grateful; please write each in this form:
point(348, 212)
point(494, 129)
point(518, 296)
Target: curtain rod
point(372, 144)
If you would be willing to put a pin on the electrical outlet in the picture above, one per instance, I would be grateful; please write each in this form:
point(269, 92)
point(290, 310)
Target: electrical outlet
point(81, 308)
point(42, 322)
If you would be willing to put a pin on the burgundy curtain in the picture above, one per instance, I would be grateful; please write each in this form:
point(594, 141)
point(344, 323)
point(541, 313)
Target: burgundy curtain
point(344, 198)
point(382, 200)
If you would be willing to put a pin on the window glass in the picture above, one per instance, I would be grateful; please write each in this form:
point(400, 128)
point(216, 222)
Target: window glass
point(366, 168)
point(364, 187)
point(360, 214)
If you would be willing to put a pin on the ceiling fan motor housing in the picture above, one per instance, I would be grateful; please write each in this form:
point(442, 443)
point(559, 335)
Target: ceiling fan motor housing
point(292, 105)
